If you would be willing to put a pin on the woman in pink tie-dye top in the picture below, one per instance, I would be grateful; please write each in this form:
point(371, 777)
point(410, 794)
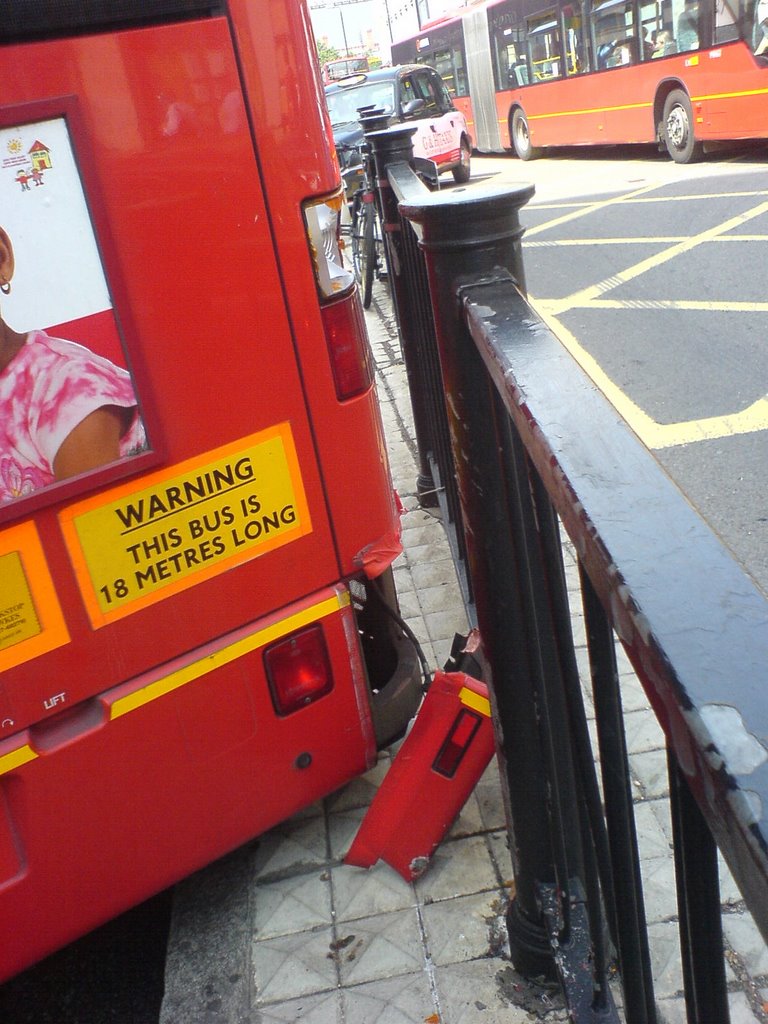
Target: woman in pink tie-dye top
point(63, 409)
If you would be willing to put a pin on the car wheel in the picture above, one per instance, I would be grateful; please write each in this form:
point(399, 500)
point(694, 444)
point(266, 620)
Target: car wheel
point(677, 129)
point(462, 171)
point(521, 137)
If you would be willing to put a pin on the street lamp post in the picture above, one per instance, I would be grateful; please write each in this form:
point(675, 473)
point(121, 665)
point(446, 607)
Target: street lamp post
point(389, 21)
point(344, 33)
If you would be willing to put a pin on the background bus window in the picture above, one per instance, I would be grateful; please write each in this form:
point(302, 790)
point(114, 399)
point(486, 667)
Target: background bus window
point(544, 48)
point(509, 66)
point(449, 64)
point(760, 21)
point(576, 60)
point(334, 70)
point(656, 29)
point(615, 42)
point(727, 21)
point(686, 20)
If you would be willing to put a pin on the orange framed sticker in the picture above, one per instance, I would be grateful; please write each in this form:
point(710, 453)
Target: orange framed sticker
point(31, 622)
point(133, 547)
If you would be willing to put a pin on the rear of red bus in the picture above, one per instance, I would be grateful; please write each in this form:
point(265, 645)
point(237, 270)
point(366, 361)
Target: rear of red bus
point(197, 638)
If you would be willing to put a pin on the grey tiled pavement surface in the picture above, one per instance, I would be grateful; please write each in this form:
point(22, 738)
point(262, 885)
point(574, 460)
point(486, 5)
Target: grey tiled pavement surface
point(282, 931)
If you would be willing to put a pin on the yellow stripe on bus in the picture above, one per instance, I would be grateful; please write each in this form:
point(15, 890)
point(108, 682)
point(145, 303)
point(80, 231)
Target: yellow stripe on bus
point(232, 652)
point(644, 106)
point(473, 700)
point(16, 758)
point(729, 95)
point(22, 755)
point(590, 110)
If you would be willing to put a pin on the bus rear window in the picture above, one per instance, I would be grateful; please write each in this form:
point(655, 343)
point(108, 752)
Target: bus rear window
point(71, 401)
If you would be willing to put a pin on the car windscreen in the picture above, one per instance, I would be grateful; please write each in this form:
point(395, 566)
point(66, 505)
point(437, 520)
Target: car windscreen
point(343, 104)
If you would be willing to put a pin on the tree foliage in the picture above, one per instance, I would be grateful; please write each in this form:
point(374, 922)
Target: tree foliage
point(326, 52)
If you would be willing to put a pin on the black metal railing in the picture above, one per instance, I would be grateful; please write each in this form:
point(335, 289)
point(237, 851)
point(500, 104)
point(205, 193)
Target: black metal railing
point(535, 445)
point(436, 483)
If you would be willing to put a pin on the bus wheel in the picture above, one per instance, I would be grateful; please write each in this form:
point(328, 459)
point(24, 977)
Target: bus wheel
point(521, 138)
point(461, 172)
point(677, 129)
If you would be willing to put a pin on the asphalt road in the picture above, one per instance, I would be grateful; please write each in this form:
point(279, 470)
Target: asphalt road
point(656, 278)
point(114, 975)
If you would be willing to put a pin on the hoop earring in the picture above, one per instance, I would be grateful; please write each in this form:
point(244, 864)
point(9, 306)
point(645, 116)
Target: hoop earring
point(5, 287)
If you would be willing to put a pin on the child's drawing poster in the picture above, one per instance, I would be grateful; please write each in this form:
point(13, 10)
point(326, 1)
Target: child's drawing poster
point(59, 283)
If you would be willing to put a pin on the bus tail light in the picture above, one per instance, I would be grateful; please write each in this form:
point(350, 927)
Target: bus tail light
point(457, 743)
point(343, 320)
point(345, 333)
point(298, 670)
point(322, 217)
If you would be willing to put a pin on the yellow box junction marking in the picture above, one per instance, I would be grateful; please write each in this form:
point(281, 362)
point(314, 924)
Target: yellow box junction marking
point(654, 435)
point(188, 673)
point(31, 620)
point(132, 547)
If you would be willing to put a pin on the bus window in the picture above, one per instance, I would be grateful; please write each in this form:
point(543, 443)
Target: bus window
point(760, 22)
point(686, 17)
point(726, 22)
point(506, 38)
point(575, 45)
point(58, 329)
point(449, 64)
point(507, 63)
point(613, 25)
point(544, 48)
point(656, 29)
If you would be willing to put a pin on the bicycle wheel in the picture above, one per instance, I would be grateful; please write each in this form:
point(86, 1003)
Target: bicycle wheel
point(368, 254)
point(357, 232)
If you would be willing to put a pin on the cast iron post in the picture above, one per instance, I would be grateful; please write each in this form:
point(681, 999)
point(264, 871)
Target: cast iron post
point(393, 146)
point(470, 234)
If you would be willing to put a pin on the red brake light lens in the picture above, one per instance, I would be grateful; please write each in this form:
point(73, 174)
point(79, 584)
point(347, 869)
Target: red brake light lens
point(457, 743)
point(347, 338)
point(298, 670)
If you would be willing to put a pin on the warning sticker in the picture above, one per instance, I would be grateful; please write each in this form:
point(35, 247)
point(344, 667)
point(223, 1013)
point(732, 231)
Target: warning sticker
point(31, 622)
point(18, 618)
point(131, 548)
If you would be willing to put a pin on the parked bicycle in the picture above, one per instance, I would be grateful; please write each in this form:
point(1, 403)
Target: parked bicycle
point(367, 242)
point(361, 221)
point(363, 228)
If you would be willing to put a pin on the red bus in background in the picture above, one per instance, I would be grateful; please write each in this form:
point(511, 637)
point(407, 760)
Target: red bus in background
point(532, 74)
point(199, 631)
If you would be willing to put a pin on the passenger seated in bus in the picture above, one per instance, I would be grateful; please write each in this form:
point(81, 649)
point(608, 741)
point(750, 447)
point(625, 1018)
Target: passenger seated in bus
point(64, 409)
point(621, 53)
point(604, 53)
point(663, 44)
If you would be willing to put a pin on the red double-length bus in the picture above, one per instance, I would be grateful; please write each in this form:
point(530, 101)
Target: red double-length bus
point(199, 632)
point(532, 74)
